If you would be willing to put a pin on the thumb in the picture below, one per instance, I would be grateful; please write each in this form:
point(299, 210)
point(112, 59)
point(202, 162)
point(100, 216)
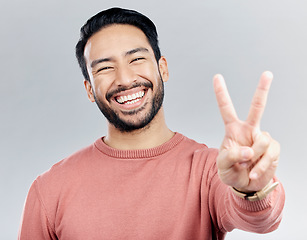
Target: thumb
point(230, 156)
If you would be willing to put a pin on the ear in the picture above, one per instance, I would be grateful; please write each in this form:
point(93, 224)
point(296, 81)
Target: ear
point(163, 69)
point(89, 90)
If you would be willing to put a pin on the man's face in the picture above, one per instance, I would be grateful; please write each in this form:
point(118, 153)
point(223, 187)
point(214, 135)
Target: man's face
point(125, 80)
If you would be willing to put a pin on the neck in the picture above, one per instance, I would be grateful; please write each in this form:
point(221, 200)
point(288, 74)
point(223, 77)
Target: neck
point(153, 135)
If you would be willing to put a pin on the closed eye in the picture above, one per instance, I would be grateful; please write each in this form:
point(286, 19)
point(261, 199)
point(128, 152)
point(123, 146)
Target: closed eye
point(137, 59)
point(103, 69)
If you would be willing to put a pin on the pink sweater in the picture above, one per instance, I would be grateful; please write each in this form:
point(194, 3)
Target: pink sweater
point(168, 192)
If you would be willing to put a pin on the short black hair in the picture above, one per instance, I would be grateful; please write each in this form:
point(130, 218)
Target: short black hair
point(115, 16)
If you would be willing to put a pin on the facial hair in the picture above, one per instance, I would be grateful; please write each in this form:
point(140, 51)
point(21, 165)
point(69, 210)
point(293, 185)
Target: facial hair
point(125, 126)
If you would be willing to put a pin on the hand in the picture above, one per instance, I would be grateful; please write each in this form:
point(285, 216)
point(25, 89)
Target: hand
point(248, 158)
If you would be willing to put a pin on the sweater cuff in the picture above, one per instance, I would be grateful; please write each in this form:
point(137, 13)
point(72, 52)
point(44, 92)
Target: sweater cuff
point(254, 206)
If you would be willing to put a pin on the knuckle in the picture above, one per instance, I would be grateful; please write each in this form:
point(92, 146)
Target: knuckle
point(261, 170)
point(275, 163)
point(274, 150)
point(258, 103)
point(271, 156)
point(277, 145)
point(265, 140)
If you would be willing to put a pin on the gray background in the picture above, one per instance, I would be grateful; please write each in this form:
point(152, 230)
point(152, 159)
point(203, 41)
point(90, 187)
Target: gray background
point(45, 114)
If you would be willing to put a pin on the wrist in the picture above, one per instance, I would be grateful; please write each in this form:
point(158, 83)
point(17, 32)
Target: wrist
point(242, 190)
point(257, 195)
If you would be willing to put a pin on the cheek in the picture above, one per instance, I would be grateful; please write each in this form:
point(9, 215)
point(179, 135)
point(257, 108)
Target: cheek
point(100, 89)
point(99, 93)
point(148, 72)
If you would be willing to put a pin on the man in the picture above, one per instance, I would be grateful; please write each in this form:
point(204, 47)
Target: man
point(141, 180)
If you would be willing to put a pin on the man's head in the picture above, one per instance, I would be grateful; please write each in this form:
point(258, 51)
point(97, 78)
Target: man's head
point(115, 16)
point(123, 68)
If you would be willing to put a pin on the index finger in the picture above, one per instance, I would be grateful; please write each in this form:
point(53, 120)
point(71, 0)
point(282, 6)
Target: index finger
point(260, 99)
point(226, 107)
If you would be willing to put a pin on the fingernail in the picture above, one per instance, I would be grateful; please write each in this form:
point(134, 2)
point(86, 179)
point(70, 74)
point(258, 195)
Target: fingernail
point(269, 74)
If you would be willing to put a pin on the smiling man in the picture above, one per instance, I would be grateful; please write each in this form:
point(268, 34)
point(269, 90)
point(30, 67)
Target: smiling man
point(126, 82)
point(142, 180)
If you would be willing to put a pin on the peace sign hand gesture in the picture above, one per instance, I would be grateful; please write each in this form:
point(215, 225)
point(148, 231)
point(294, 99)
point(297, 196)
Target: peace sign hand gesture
point(248, 158)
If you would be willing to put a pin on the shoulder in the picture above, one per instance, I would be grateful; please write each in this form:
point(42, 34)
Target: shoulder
point(68, 168)
point(199, 153)
point(61, 180)
point(198, 148)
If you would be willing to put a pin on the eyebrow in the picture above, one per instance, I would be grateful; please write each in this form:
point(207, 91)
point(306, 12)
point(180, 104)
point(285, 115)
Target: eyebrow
point(97, 61)
point(136, 50)
point(130, 52)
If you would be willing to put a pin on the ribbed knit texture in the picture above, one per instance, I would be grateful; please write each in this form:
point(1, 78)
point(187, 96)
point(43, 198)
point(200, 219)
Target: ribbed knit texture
point(139, 154)
point(171, 192)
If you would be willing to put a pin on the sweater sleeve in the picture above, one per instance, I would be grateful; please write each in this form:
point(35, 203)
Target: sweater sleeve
point(229, 211)
point(34, 223)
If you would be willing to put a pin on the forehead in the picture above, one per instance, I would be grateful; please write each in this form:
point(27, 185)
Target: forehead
point(115, 40)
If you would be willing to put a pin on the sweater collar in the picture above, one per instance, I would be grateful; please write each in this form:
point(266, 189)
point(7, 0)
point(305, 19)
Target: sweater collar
point(140, 153)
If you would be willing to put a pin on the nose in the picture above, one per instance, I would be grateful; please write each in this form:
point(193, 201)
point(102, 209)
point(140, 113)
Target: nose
point(125, 76)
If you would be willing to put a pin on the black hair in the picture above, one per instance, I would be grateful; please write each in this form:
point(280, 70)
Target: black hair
point(115, 16)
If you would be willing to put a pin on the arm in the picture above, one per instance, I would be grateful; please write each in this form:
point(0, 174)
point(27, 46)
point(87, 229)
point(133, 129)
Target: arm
point(34, 223)
point(247, 161)
point(229, 211)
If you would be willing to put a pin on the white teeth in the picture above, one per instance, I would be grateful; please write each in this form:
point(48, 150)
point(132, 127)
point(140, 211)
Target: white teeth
point(130, 99)
point(133, 101)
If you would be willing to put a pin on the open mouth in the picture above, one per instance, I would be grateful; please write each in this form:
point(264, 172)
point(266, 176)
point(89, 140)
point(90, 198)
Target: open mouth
point(130, 98)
